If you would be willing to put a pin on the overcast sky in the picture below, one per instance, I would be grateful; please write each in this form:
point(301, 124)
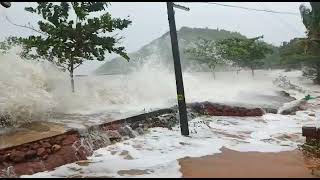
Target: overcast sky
point(150, 21)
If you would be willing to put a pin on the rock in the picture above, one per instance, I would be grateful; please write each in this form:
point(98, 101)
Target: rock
point(258, 112)
point(49, 151)
point(114, 126)
point(197, 107)
point(191, 115)
point(242, 114)
point(271, 110)
point(69, 140)
point(17, 156)
point(227, 109)
point(54, 141)
point(22, 148)
point(211, 112)
point(41, 151)
point(60, 138)
point(136, 125)
point(249, 113)
point(46, 145)
point(140, 131)
point(183, 143)
point(219, 107)
point(64, 156)
point(128, 157)
point(45, 157)
point(35, 146)
point(126, 138)
point(6, 157)
point(113, 135)
point(236, 113)
point(242, 109)
point(312, 114)
point(30, 154)
point(315, 172)
point(127, 131)
point(56, 148)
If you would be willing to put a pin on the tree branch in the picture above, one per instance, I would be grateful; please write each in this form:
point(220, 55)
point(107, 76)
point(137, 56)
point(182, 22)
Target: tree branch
point(60, 65)
point(24, 26)
point(76, 66)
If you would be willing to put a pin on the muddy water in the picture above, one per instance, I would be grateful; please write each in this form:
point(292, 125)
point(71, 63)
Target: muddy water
point(231, 164)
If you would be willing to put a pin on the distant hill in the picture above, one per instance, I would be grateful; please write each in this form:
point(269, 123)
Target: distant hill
point(161, 47)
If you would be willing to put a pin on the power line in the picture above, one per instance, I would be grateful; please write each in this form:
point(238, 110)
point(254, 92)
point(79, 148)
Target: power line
point(272, 23)
point(288, 25)
point(253, 9)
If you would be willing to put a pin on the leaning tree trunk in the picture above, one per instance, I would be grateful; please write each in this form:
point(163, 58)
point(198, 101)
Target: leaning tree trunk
point(213, 67)
point(252, 71)
point(238, 69)
point(71, 75)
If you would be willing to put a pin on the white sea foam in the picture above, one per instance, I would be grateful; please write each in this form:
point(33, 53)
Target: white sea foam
point(156, 153)
point(31, 89)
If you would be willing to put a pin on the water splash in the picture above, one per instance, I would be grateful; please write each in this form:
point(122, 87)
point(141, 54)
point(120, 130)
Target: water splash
point(23, 94)
point(8, 173)
point(36, 90)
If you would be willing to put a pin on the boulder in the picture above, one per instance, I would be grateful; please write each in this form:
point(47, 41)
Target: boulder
point(46, 145)
point(70, 139)
point(30, 154)
point(140, 131)
point(48, 150)
point(17, 156)
point(44, 157)
point(56, 148)
point(58, 139)
point(127, 131)
point(35, 146)
point(113, 135)
point(41, 151)
point(6, 157)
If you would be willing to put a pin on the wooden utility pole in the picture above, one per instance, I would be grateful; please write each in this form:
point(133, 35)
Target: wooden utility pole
point(177, 68)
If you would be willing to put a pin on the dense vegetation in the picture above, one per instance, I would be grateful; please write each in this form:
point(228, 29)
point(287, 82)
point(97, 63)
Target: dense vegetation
point(305, 52)
point(188, 37)
point(240, 52)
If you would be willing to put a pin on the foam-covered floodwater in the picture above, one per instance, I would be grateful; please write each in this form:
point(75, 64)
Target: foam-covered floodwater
point(156, 153)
